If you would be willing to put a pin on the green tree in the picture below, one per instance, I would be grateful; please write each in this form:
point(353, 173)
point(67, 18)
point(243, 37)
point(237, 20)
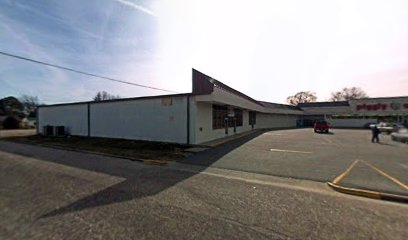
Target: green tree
point(11, 122)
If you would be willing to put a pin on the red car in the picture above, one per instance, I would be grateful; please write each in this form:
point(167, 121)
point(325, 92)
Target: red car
point(321, 126)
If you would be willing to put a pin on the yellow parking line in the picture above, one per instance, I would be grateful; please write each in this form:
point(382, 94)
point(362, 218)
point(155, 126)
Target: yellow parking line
point(290, 151)
point(387, 176)
point(341, 176)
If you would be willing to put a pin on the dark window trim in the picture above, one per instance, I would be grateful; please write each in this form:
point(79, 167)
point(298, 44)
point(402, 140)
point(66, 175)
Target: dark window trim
point(238, 117)
point(252, 117)
point(219, 113)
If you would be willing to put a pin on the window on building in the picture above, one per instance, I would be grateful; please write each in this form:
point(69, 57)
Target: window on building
point(238, 117)
point(252, 118)
point(167, 101)
point(221, 112)
point(219, 115)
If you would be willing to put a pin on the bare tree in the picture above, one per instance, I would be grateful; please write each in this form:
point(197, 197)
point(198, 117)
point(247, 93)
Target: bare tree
point(302, 97)
point(103, 96)
point(30, 102)
point(348, 94)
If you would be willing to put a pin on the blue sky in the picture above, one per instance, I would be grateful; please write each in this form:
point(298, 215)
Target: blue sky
point(266, 49)
point(103, 37)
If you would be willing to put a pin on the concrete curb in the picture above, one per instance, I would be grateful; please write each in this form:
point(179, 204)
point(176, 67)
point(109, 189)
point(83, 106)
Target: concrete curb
point(368, 193)
point(231, 138)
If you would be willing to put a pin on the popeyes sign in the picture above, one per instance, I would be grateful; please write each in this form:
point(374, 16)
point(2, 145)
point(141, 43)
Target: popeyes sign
point(381, 106)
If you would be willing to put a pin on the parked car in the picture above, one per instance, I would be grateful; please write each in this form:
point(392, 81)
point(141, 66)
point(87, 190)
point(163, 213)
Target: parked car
point(401, 135)
point(369, 125)
point(389, 128)
point(321, 126)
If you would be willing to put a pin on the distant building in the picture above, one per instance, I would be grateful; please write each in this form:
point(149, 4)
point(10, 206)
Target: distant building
point(358, 112)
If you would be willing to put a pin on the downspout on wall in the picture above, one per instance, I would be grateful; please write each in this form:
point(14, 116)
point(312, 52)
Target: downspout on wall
point(188, 119)
point(89, 119)
point(37, 124)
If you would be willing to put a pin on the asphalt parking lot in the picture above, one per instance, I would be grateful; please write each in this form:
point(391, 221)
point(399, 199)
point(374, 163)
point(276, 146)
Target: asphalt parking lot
point(345, 156)
point(48, 193)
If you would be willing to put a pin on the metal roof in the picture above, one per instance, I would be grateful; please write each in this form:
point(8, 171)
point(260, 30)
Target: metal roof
point(119, 100)
point(203, 84)
point(324, 104)
point(380, 98)
point(280, 106)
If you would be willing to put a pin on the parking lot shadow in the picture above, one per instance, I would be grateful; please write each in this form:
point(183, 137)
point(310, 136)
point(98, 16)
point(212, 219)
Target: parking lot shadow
point(386, 144)
point(208, 157)
point(326, 133)
point(141, 180)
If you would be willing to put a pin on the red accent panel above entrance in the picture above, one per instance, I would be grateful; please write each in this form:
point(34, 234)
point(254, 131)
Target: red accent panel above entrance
point(201, 83)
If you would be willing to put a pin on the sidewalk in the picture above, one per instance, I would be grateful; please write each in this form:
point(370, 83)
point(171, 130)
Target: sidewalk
point(220, 141)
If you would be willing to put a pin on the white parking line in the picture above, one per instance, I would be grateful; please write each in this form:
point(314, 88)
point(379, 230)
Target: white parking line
point(404, 166)
point(289, 151)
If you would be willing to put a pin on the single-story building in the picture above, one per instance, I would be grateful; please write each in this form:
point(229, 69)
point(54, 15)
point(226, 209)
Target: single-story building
point(357, 112)
point(212, 110)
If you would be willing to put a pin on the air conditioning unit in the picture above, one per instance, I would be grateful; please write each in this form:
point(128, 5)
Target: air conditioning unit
point(48, 130)
point(59, 131)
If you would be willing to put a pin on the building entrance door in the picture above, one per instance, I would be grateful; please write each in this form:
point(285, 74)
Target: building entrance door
point(230, 122)
point(226, 125)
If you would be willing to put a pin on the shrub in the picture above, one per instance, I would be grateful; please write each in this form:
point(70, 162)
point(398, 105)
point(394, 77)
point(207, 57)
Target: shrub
point(11, 123)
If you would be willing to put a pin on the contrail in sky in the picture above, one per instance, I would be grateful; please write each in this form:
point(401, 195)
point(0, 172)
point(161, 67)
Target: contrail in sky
point(136, 6)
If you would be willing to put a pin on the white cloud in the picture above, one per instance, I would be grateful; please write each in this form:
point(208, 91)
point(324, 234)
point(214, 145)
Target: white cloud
point(136, 6)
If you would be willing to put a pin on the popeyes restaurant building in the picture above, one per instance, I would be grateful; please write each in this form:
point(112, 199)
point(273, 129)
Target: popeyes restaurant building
point(359, 112)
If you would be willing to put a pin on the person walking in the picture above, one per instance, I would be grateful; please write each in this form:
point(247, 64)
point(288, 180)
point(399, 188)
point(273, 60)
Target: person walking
point(376, 132)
